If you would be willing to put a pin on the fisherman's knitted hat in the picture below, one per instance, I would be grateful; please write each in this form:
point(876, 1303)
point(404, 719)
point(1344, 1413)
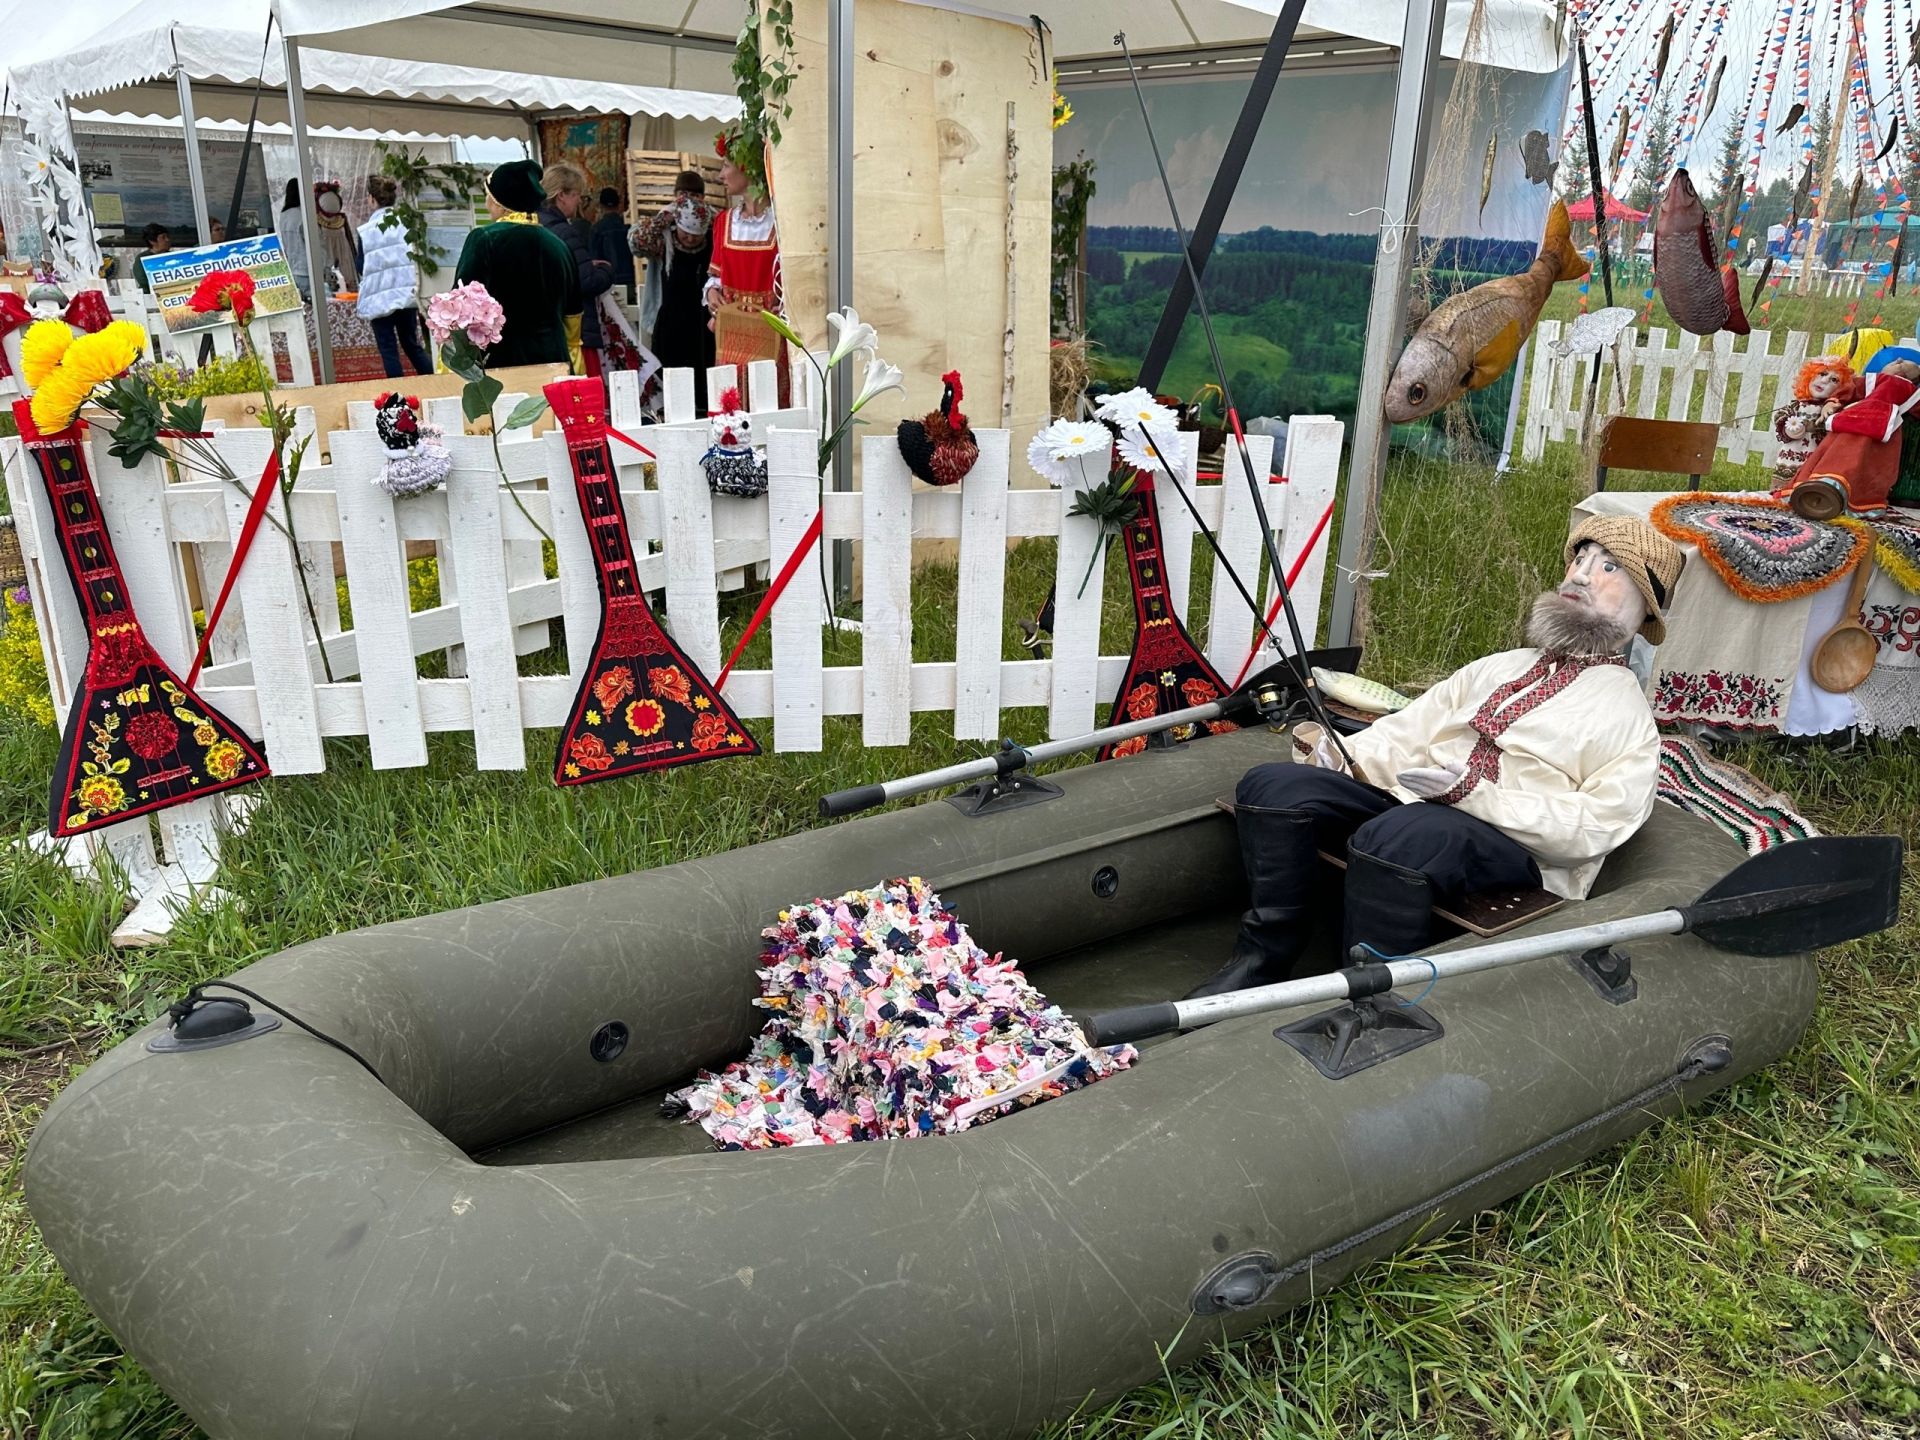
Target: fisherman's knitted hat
point(1651, 559)
point(516, 185)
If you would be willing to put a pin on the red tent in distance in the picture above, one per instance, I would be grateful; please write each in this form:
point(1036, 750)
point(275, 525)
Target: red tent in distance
point(1616, 210)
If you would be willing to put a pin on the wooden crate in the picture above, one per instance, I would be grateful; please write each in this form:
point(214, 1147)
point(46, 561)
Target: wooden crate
point(650, 177)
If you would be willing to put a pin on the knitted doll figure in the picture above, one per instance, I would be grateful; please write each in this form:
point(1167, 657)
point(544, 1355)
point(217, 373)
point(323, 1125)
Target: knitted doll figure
point(1823, 386)
point(416, 460)
point(733, 466)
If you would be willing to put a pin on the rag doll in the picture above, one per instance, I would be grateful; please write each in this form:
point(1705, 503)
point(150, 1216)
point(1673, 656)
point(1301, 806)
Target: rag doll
point(1819, 391)
point(733, 466)
point(1858, 463)
point(416, 460)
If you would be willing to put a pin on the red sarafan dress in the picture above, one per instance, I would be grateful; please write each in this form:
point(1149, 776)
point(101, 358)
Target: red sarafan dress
point(1861, 455)
point(746, 262)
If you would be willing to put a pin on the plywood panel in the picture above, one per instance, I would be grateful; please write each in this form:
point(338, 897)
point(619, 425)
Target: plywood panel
point(931, 89)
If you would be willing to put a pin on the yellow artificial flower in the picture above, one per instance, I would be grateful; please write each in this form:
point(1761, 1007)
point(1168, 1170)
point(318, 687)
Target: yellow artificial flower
point(96, 359)
point(41, 348)
point(58, 400)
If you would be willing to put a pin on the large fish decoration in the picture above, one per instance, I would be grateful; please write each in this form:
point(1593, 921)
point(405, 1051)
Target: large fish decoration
point(1619, 142)
point(1536, 155)
point(1701, 297)
point(1793, 118)
point(1713, 90)
point(1471, 339)
point(1486, 170)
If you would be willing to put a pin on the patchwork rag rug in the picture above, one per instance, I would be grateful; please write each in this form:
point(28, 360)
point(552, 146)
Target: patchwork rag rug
point(1732, 798)
point(1896, 549)
point(888, 1022)
point(1758, 547)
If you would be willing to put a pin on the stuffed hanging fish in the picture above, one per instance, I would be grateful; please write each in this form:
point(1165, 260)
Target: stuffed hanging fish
point(1470, 340)
point(1701, 297)
point(1713, 90)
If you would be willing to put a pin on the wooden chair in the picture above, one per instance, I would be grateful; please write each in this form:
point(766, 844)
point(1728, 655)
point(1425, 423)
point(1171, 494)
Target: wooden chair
point(1669, 447)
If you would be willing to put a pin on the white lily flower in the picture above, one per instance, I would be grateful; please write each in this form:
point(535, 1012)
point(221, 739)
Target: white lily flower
point(851, 333)
point(1062, 441)
point(881, 377)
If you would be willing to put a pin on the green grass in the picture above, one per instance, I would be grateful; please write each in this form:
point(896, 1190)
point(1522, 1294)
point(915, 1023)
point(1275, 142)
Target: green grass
point(1746, 1270)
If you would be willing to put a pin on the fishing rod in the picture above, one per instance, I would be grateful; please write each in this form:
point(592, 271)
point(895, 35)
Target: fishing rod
point(1266, 696)
point(1302, 672)
point(1796, 898)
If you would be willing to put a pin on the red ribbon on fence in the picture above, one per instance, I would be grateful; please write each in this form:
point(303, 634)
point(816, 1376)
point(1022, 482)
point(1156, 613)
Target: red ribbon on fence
point(631, 444)
point(1273, 610)
point(256, 512)
point(765, 607)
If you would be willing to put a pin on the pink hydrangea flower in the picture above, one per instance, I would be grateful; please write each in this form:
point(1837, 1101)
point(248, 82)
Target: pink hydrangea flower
point(468, 308)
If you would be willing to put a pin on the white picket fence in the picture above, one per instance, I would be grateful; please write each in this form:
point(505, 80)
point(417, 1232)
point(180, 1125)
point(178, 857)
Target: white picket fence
point(1736, 382)
point(270, 680)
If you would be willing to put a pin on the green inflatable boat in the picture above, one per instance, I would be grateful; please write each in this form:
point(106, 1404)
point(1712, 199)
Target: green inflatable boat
point(508, 1238)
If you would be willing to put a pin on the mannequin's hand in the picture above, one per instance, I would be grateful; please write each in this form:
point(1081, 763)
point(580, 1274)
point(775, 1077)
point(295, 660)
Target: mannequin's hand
point(1429, 784)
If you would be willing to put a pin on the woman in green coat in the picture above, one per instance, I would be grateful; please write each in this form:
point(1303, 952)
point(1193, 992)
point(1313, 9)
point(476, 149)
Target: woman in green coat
point(527, 268)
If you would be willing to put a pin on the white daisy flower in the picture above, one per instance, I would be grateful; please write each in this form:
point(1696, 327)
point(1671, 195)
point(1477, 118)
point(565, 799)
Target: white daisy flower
point(1135, 450)
point(1135, 407)
point(1050, 451)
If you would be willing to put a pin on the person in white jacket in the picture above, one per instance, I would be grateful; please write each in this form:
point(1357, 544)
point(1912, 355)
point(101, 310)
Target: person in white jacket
point(1525, 769)
point(390, 286)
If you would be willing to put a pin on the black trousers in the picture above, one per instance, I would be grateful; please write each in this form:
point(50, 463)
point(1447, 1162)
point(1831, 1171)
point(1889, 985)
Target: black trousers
point(396, 332)
point(1457, 853)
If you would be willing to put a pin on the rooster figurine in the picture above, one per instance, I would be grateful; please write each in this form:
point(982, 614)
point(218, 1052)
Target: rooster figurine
point(940, 448)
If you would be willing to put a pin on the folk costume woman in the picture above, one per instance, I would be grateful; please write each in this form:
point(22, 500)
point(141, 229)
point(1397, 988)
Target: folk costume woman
point(1523, 769)
point(744, 274)
point(1856, 467)
point(528, 269)
point(677, 243)
point(1821, 388)
point(333, 246)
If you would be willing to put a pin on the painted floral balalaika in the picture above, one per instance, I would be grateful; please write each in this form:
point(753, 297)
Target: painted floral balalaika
point(642, 705)
point(1166, 671)
point(137, 739)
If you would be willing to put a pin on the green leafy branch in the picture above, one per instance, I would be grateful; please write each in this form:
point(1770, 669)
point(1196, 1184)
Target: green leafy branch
point(454, 181)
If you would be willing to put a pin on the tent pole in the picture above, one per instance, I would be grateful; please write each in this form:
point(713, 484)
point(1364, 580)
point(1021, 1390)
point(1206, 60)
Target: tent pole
point(1386, 311)
point(196, 177)
point(840, 247)
point(309, 216)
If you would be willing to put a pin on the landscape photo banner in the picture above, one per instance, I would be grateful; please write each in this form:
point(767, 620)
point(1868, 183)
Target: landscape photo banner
point(174, 276)
point(1290, 278)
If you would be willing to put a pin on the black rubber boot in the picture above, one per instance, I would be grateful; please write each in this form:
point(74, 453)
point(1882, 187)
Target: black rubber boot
point(1277, 849)
point(1388, 907)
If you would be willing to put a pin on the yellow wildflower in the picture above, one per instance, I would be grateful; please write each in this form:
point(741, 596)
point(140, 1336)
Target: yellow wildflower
point(41, 348)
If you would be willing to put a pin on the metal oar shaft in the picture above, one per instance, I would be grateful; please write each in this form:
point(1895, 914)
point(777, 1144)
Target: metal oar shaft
point(1357, 981)
point(865, 797)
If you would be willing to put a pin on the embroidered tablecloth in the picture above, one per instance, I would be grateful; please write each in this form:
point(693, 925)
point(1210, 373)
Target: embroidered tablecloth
point(1736, 665)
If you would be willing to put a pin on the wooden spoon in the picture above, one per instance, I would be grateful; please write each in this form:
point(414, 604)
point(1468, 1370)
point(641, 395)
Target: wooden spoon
point(1844, 657)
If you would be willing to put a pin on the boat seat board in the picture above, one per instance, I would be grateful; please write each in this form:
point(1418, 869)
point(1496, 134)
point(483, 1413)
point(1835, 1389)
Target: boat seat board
point(1156, 963)
point(1483, 912)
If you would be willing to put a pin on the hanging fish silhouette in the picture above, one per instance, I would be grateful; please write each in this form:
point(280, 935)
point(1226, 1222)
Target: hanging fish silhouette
point(1666, 48)
point(1913, 51)
point(1893, 134)
point(1471, 339)
point(1486, 170)
point(1802, 192)
point(1536, 156)
point(1619, 141)
point(1700, 296)
point(1793, 118)
point(1853, 198)
point(1713, 90)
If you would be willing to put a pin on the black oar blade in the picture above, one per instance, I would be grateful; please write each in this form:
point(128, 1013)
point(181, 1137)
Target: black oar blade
point(1803, 896)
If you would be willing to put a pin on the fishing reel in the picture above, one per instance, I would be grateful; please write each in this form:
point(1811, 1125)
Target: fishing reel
point(1278, 695)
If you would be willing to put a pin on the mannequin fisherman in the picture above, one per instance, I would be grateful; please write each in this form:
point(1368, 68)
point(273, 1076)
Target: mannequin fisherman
point(1523, 769)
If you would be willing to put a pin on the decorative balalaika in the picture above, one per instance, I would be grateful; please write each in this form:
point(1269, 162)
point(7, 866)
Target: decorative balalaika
point(1166, 671)
point(137, 739)
point(643, 704)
